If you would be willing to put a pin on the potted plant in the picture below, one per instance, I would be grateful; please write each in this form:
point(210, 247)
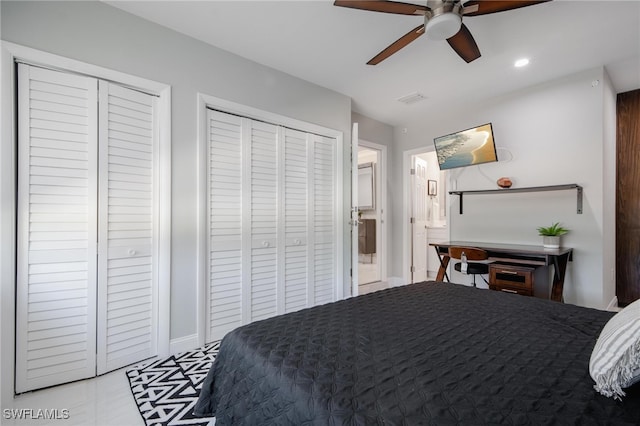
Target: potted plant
point(551, 235)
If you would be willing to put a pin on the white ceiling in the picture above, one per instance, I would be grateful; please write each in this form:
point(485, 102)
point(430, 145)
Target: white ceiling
point(330, 46)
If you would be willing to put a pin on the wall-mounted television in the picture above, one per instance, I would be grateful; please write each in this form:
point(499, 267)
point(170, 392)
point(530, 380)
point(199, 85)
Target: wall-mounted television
point(466, 148)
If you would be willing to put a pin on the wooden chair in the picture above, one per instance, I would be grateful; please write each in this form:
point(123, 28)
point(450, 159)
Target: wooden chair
point(472, 268)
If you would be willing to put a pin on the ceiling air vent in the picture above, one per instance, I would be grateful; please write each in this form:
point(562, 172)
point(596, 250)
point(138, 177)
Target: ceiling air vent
point(412, 98)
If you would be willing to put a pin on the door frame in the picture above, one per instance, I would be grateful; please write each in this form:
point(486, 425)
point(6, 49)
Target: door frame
point(354, 220)
point(406, 209)
point(10, 53)
point(205, 101)
point(381, 200)
point(414, 214)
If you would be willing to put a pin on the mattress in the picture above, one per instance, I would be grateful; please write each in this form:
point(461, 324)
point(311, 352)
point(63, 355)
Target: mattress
point(423, 354)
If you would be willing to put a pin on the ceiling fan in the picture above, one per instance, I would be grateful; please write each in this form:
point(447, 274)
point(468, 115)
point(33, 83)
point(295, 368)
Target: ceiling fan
point(442, 20)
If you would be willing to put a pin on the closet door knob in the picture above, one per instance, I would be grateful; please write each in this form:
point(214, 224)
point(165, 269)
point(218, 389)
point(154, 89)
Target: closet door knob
point(265, 244)
point(131, 252)
point(297, 241)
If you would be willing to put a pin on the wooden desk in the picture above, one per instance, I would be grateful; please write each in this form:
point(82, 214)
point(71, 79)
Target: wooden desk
point(514, 253)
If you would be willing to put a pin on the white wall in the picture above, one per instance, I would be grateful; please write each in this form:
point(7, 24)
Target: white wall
point(98, 34)
point(554, 133)
point(437, 204)
point(366, 155)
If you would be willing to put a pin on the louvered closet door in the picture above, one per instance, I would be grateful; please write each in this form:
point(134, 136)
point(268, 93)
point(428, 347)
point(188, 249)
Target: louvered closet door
point(56, 282)
point(225, 224)
point(260, 220)
point(296, 219)
point(323, 220)
point(127, 269)
point(87, 238)
point(272, 221)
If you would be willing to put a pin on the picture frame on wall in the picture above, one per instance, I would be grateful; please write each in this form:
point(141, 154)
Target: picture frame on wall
point(432, 187)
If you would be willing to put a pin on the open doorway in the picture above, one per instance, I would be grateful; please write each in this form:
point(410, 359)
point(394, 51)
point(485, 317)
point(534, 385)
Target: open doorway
point(371, 217)
point(425, 210)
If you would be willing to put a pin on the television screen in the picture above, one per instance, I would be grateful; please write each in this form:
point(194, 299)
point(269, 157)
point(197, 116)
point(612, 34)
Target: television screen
point(466, 148)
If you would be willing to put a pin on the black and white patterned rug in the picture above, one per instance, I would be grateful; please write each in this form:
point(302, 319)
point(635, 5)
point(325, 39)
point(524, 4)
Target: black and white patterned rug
point(166, 390)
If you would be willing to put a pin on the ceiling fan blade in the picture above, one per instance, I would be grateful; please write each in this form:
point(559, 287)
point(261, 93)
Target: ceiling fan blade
point(464, 44)
point(384, 6)
point(485, 7)
point(397, 45)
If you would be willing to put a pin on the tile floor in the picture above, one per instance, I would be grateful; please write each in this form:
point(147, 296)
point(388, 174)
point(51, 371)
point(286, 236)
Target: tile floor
point(369, 275)
point(371, 287)
point(103, 401)
point(368, 272)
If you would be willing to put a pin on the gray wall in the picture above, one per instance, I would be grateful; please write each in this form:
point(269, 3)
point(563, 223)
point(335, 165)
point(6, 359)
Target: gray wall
point(99, 34)
point(554, 133)
point(372, 130)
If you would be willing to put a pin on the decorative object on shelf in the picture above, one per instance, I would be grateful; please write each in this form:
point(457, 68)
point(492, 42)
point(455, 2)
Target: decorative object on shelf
point(504, 182)
point(432, 187)
point(551, 235)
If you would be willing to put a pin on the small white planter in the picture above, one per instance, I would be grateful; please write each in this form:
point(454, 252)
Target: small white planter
point(551, 242)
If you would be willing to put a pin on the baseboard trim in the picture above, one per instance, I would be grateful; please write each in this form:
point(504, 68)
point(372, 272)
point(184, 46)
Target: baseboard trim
point(613, 305)
point(183, 344)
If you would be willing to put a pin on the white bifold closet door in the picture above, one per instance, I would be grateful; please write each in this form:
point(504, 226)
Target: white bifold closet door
point(127, 227)
point(272, 221)
point(86, 299)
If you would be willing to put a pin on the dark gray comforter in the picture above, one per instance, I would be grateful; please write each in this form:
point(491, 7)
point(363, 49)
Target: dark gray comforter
point(422, 354)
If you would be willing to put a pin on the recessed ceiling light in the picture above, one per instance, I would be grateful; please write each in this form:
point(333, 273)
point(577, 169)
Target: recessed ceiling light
point(521, 63)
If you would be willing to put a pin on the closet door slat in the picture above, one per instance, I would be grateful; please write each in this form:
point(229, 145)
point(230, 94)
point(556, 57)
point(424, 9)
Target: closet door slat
point(56, 282)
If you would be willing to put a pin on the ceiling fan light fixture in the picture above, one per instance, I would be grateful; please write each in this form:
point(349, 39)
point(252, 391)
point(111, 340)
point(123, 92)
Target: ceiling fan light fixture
point(443, 26)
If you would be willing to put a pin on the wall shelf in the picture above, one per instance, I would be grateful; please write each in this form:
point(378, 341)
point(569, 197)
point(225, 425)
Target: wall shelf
point(577, 187)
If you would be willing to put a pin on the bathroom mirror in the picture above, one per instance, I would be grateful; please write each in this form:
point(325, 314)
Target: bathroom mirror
point(366, 186)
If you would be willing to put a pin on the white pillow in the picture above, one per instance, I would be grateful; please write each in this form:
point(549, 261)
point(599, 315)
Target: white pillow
point(615, 360)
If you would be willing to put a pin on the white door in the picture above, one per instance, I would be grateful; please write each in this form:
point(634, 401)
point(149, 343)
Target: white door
point(127, 240)
point(261, 219)
point(419, 220)
point(355, 218)
point(296, 288)
point(57, 201)
point(272, 222)
point(82, 287)
point(323, 219)
point(225, 199)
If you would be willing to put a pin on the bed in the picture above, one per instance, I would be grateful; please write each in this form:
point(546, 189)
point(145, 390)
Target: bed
point(423, 354)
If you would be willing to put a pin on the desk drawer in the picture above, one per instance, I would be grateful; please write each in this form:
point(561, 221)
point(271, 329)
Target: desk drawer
point(513, 290)
point(511, 278)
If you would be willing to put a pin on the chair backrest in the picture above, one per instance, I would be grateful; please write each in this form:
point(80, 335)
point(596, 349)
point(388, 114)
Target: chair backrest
point(472, 253)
